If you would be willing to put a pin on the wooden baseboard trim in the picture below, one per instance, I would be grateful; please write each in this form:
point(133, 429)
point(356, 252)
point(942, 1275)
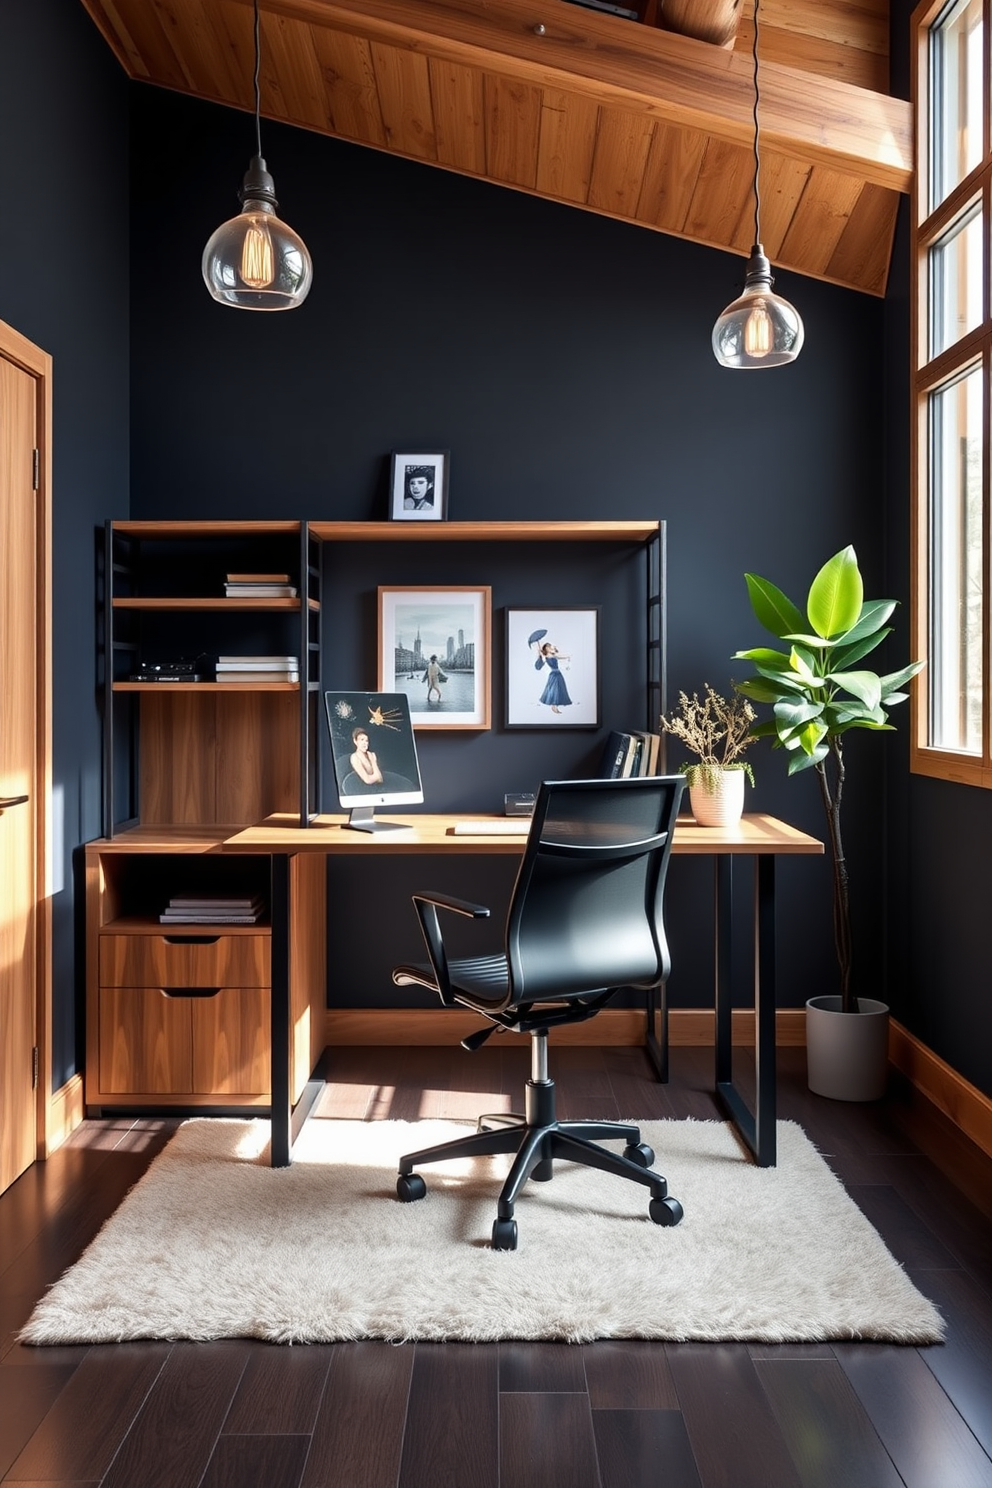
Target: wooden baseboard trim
point(615, 1026)
point(964, 1105)
point(65, 1111)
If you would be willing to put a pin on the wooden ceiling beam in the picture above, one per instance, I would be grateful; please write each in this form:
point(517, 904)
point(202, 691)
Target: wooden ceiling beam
point(713, 21)
point(675, 79)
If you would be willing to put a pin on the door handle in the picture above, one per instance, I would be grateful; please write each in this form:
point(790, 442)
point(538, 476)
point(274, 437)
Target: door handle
point(6, 801)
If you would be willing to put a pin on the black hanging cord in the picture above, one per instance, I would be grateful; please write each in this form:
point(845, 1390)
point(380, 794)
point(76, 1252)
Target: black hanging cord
point(258, 122)
point(757, 161)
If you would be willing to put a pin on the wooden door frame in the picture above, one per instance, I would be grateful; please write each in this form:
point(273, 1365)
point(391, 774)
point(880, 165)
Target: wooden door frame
point(23, 353)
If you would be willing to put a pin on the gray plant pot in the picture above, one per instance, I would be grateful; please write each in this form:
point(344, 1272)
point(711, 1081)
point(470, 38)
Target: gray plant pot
point(847, 1054)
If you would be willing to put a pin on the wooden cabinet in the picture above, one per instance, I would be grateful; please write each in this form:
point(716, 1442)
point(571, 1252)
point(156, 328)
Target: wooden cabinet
point(180, 1016)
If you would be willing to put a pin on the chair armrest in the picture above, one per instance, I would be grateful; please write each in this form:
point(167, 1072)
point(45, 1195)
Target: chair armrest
point(427, 903)
point(448, 901)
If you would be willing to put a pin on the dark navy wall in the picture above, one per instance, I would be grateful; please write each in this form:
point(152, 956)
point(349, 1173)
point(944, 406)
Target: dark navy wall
point(565, 361)
point(64, 271)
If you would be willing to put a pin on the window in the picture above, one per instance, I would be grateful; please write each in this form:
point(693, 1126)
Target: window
point(952, 624)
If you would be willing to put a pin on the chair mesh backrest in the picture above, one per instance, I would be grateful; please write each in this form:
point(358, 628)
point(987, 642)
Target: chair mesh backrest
point(586, 910)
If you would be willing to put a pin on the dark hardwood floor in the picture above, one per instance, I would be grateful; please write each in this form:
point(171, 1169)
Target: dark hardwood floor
point(611, 1414)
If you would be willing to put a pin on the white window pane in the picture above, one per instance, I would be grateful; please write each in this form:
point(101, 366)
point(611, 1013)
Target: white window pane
point(956, 278)
point(956, 96)
point(955, 670)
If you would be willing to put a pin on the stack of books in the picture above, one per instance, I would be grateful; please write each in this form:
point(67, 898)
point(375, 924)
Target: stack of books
point(258, 586)
point(213, 909)
point(626, 755)
point(258, 669)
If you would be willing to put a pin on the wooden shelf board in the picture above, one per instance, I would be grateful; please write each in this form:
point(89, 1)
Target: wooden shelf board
point(400, 531)
point(151, 925)
point(165, 837)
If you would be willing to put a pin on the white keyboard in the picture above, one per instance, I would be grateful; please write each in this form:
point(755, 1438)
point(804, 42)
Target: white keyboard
point(499, 826)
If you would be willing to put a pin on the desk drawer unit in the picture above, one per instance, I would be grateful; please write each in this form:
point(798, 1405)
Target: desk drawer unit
point(184, 1016)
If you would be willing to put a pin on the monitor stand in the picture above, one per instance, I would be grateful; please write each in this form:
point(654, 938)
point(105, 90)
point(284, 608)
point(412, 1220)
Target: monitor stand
point(364, 819)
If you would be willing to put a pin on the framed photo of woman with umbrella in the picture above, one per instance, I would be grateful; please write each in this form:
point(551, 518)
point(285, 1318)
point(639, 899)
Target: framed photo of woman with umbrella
point(552, 668)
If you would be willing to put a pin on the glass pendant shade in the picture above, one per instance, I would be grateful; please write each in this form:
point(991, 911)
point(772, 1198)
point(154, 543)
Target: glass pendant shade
point(255, 261)
point(759, 329)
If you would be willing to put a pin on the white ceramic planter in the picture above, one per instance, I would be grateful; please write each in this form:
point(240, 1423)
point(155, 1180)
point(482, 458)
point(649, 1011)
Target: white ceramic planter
point(847, 1054)
point(722, 807)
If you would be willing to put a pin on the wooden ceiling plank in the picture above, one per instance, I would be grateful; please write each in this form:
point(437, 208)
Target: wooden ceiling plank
point(857, 24)
point(458, 98)
point(827, 204)
point(404, 88)
point(350, 91)
point(208, 63)
point(566, 145)
point(781, 182)
point(290, 72)
point(109, 21)
point(513, 130)
point(862, 69)
point(864, 252)
point(674, 78)
point(721, 192)
point(670, 175)
point(622, 147)
point(154, 44)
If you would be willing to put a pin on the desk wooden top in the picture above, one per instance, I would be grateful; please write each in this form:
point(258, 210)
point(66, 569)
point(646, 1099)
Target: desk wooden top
point(755, 834)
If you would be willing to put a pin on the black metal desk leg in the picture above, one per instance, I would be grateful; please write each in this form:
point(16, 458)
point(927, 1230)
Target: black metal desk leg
point(723, 991)
point(764, 1011)
point(281, 1141)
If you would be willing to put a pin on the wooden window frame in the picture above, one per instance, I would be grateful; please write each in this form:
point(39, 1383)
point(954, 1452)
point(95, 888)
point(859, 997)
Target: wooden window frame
point(930, 373)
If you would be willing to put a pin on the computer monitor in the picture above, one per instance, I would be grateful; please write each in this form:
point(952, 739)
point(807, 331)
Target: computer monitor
point(374, 755)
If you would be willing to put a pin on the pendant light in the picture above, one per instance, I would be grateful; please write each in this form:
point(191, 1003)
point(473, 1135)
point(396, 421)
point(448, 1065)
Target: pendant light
point(254, 261)
point(759, 329)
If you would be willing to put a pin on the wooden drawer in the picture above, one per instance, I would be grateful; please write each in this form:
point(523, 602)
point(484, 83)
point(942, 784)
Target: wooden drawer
point(175, 961)
point(175, 1043)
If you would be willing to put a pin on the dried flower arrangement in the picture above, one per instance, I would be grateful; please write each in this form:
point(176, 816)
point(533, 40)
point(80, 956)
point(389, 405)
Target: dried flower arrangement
point(717, 731)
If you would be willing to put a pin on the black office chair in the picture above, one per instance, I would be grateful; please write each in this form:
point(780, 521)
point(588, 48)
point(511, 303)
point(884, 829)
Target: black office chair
point(585, 920)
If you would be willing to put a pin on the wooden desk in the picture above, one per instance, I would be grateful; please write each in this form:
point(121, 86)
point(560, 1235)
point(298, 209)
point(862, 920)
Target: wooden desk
point(759, 837)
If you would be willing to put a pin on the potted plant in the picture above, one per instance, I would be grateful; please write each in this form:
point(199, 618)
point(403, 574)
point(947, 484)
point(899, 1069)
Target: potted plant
point(718, 732)
point(818, 690)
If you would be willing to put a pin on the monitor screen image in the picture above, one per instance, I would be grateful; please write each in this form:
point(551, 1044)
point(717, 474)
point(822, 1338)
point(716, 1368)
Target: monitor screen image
point(373, 753)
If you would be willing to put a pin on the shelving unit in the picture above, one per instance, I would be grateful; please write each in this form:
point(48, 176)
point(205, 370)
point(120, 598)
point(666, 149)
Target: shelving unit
point(179, 1017)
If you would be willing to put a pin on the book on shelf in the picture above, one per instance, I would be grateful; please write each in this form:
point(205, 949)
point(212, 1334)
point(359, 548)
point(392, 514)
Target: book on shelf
point(258, 663)
point(255, 674)
point(260, 591)
point(614, 754)
point(244, 902)
point(647, 762)
point(257, 578)
point(215, 917)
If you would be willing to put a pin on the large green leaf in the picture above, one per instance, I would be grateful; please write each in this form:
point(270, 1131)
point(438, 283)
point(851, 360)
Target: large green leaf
point(773, 609)
point(892, 681)
point(789, 715)
point(846, 655)
point(800, 761)
point(836, 595)
point(759, 690)
point(874, 613)
point(866, 686)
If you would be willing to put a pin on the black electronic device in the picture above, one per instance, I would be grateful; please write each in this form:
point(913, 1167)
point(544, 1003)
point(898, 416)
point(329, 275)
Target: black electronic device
point(374, 755)
point(519, 803)
point(168, 671)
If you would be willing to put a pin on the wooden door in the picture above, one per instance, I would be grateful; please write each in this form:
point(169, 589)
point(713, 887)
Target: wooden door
point(19, 783)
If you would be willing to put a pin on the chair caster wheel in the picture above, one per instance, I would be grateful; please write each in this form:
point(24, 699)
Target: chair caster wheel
point(641, 1154)
point(410, 1186)
point(505, 1234)
point(665, 1211)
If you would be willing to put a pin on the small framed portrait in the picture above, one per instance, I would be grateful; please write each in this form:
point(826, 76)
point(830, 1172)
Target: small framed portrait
point(418, 486)
point(434, 646)
point(552, 668)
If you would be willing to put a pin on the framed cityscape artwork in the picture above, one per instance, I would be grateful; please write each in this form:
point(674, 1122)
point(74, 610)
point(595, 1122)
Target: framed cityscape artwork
point(435, 646)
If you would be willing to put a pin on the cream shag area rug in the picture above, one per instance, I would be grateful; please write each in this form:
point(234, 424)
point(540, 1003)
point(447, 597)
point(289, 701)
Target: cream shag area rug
point(213, 1243)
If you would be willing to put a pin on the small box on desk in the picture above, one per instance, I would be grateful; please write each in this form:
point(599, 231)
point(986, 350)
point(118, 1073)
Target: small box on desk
point(519, 803)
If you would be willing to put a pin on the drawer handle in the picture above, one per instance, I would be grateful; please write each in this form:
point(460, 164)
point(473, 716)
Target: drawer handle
point(191, 939)
point(190, 991)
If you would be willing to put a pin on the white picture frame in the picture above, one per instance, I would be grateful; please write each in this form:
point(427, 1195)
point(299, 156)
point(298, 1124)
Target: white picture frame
point(552, 668)
point(418, 485)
